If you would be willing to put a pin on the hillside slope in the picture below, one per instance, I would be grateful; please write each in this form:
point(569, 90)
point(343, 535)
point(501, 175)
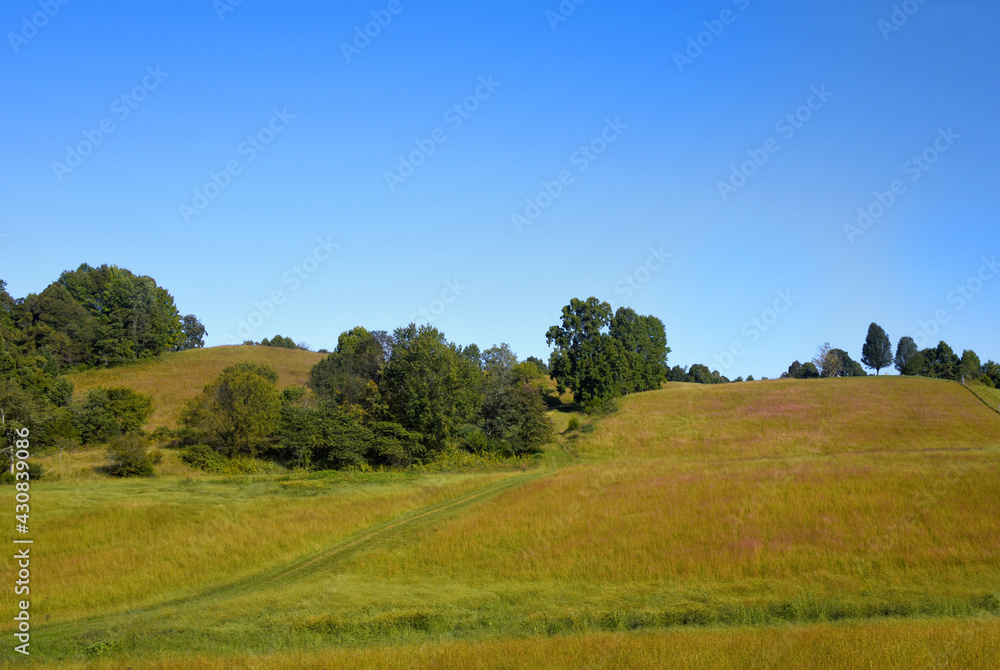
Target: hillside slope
point(794, 502)
point(174, 378)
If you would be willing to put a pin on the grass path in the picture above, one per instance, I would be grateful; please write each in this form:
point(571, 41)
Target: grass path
point(67, 637)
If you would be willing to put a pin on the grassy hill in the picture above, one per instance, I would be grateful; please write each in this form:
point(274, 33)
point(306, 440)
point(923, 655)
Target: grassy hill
point(794, 523)
point(176, 377)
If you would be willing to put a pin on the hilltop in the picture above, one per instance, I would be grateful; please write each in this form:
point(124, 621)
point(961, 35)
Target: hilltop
point(173, 378)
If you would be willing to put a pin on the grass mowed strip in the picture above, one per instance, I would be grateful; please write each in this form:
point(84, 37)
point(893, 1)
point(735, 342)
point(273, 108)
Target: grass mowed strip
point(174, 378)
point(108, 545)
point(970, 644)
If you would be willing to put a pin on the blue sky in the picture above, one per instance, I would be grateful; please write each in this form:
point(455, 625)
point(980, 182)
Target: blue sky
point(612, 129)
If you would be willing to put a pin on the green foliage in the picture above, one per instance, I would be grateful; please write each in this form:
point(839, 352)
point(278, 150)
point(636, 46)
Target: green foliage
point(970, 368)
point(599, 355)
point(877, 350)
point(36, 470)
point(906, 356)
point(351, 374)
point(205, 458)
point(429, 387)
point(280, 341)
point(128, 456)
point(109, 412)
point(194, 334)
point(940, 362)
point(130, 316)
point(238, 412)
point(837, 363)
point(332, 437)
point(809, 371)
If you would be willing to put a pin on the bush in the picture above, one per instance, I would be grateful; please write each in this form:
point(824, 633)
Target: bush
point(203, 457)
point(108, 412)
point(574, 424)
point(35, 471)
point(207, 459)
point(128, 457)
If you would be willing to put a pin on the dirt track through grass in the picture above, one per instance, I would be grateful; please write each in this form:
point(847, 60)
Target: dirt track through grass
point(394, 530)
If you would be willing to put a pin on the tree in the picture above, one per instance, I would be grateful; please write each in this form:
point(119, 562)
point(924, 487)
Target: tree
point(906, 352)
point(350, 375)
point(110, 412)
point(194, 334)
point(514, 419)
point(429, 387)
point(970, 369)
point(794, 370)
point(827, 361)
point(601, 356)
point(809, 371)
point(940, 362)
point(238, 412)
point(645, 341)
point(877, 350)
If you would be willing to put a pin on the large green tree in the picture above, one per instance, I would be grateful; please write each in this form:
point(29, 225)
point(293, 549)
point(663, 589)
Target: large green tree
point(876, 353)
point(906, 356)
point(351, 374)
point(599, 355)
point(238, 412)
point(429, 386)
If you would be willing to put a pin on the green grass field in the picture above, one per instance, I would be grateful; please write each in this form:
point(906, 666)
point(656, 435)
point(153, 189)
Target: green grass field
point(842, 523)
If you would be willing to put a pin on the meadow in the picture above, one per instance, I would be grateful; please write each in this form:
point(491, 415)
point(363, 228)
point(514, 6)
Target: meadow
point(794, 523)
point(173, 378)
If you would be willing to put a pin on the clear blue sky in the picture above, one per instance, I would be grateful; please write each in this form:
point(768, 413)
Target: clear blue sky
point(330, 122)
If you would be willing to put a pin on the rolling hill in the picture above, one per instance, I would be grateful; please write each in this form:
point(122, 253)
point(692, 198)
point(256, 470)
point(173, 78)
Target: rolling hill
point(768, 524)
point(174, 378)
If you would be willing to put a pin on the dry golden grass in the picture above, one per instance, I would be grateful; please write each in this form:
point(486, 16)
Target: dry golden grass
point(174, 378)
point(692, 507)
point(748, 495)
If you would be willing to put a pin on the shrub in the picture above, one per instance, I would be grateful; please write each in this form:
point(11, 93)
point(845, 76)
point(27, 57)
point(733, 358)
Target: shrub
point(35, 471)
point(107, 412)
point(574, 424)
point(203, 457)
point(128, 457)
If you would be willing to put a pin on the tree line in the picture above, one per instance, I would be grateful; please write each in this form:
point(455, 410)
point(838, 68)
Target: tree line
point(939, 362)
point(378, 399)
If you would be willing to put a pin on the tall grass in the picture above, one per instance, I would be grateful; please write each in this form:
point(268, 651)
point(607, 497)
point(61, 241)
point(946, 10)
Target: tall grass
point(768, 505)
point(968, 644)
point(175, 377)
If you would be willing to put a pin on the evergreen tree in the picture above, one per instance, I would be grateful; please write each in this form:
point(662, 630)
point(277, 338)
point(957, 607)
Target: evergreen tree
point(877, 350)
